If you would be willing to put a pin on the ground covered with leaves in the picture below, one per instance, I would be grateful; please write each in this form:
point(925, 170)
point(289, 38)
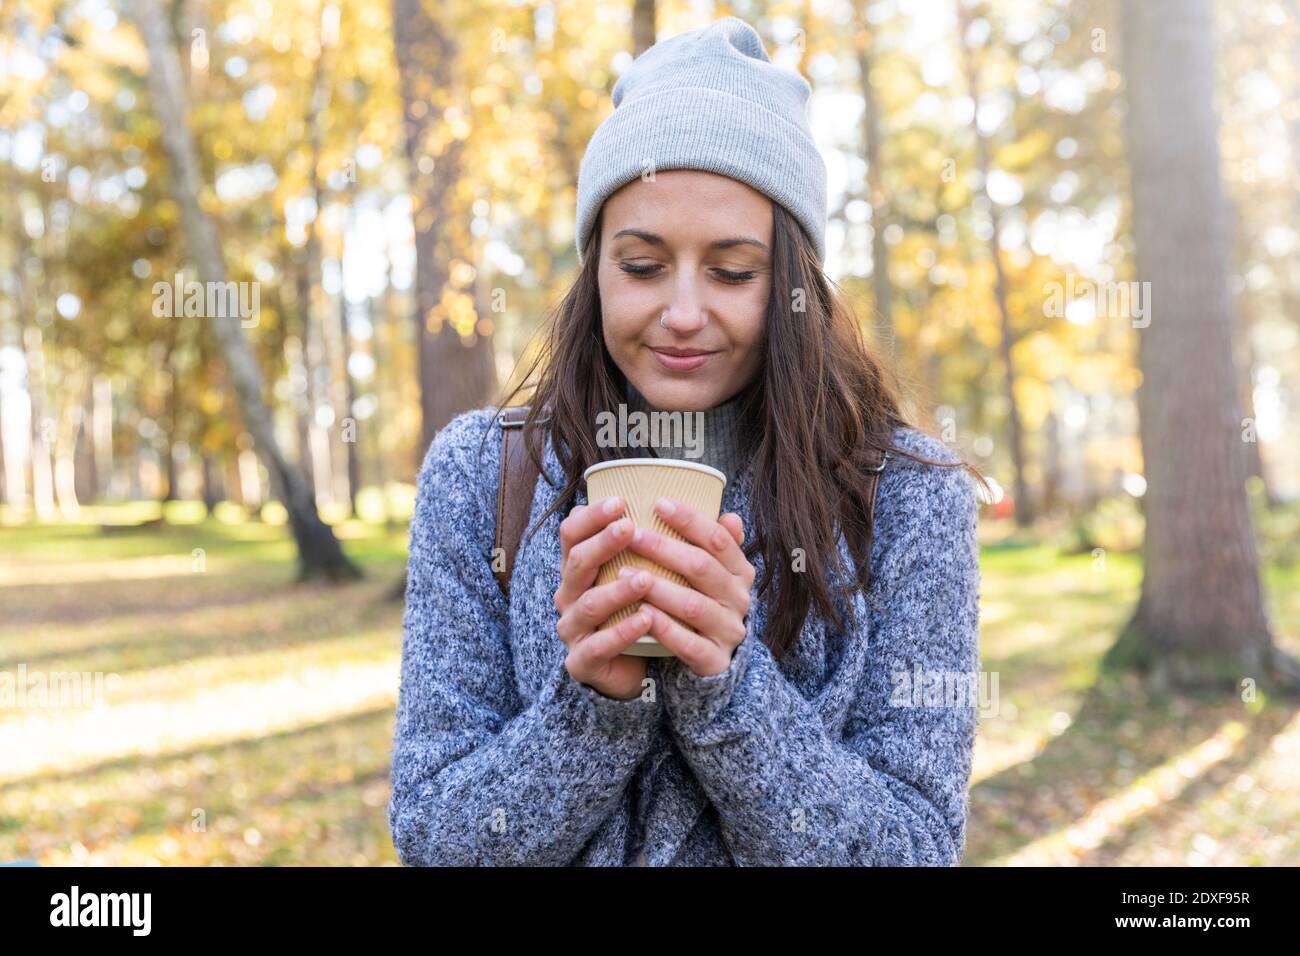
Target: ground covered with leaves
point(243, 719)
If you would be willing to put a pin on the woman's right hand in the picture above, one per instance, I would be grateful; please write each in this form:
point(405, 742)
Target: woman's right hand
point(590, 536)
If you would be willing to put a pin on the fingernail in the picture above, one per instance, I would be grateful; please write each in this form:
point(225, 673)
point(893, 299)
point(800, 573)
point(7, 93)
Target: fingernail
point(638, 535)
point(625, 571)
point(666, 506)
point(611, 505)
point(621, 526)
point(641, 579)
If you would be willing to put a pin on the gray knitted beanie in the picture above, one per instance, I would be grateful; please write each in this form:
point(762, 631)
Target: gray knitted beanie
point(712, 100)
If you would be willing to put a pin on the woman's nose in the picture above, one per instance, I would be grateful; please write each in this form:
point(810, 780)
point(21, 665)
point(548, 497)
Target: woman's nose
point(685, 314)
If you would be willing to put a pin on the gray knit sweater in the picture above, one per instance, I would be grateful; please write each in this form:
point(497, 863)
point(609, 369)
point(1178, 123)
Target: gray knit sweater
point(825, 757)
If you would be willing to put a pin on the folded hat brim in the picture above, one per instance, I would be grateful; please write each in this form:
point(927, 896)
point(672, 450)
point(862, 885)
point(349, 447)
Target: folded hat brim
point(712, 131)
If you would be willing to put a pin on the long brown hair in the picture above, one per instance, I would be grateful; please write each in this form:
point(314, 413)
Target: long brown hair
point(822, 402)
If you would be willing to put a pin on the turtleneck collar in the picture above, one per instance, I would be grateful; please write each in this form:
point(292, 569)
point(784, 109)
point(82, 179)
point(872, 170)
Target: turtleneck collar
point(724, 442)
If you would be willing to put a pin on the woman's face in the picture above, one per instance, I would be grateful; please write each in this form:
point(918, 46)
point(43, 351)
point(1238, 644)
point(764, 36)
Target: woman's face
point(694, 247)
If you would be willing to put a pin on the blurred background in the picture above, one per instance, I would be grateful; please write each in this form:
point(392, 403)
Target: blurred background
point(254, 255)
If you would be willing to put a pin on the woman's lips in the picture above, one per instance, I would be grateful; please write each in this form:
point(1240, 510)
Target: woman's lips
point(681, 363)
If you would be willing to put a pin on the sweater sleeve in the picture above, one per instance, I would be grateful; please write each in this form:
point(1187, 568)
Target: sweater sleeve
point(478, 778)
point(892, 792)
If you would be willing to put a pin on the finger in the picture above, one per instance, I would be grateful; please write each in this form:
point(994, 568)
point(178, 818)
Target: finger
point(700, 568)
point(585, 520)
point(596, 604)
point(732, 522)
point(697, 611)
point(715, 538)
point(582, 565)
point(693, 650)
point(606, 644)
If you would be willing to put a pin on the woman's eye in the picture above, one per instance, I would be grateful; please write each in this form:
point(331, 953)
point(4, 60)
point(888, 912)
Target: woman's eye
point(636, 270)
point(734, 278)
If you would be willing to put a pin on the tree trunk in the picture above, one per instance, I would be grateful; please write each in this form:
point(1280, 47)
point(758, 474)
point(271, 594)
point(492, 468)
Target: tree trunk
point(67, 427)
point(391, 397)
point(314, 332)
point(1024, 512)
point(880, 283)
point(643, 26)
point(319, 552)
point(102, 432)
point(87, 476)
point(172, 418)
point(453, 376)
point(42, 431)
point(350, 428)
point(1051, 463)
point(295, 359)
point(1200, 619)
point(213, 491)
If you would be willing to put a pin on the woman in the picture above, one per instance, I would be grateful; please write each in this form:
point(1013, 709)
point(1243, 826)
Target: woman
point(777, 733)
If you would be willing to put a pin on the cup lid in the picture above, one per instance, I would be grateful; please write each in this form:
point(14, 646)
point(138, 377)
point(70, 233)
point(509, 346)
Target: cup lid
point(668, 462)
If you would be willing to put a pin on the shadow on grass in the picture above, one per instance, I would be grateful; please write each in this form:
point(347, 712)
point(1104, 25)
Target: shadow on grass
point(292, 619)
point(288, 777)
point(158, 595)
point(82, 575)
point(246, 747)
point(1118, 733)
point(87, 602)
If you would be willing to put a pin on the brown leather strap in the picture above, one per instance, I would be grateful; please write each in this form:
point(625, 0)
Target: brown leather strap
point(515, 487)
point(873, 482)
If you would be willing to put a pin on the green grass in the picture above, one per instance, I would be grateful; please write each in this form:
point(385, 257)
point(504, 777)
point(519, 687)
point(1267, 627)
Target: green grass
point(250, 719)
point(1077, 769)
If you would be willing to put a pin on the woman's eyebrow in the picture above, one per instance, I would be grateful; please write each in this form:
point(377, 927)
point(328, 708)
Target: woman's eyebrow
point(657, 240)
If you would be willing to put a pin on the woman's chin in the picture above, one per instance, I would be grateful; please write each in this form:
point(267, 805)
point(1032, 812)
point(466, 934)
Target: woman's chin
point(678, 396)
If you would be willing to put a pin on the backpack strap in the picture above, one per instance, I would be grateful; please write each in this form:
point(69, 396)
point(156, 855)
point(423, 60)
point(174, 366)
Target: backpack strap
point(515, 487)
point(873, 482)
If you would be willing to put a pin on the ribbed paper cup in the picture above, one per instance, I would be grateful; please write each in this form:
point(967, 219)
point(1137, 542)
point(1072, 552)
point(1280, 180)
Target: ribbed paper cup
point(640, 482)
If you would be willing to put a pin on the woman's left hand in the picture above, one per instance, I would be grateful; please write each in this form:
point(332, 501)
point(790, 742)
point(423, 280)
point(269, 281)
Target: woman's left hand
point(716, 599)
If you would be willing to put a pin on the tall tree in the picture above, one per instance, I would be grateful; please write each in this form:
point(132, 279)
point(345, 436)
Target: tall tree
point(1201, 617)
point(347, 344)
point(310, 297)
point(455, 375)
point(1007, 336)
point(864, 46)
point(319, 554)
